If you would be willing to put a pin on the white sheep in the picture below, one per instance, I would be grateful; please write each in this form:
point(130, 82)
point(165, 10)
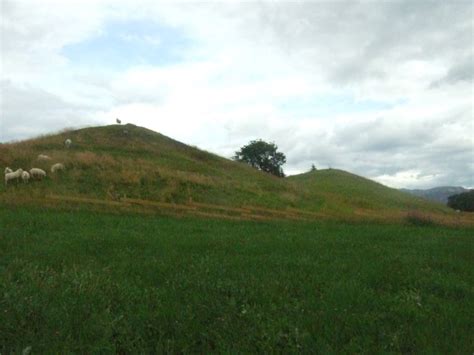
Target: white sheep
point(25, 176)
point(67, 142)
point(57, 167)
point(44, 157)
point(14, 175)
point(36, 172)
point(8, 170)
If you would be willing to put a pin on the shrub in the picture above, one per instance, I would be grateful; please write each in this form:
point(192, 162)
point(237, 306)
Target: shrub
point(463, 201)
point(420, 219)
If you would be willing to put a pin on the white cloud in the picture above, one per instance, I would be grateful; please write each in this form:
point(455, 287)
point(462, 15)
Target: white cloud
point(412, 178)
point(36, 111)
point(266, 70)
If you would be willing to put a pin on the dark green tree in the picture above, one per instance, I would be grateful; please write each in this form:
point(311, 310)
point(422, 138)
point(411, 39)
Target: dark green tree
point(313, 168)
point(463, 201)
point(262, 156)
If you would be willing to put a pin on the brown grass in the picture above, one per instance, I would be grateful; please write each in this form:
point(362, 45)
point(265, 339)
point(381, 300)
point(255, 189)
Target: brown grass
point(418, 218)
point(116, 203)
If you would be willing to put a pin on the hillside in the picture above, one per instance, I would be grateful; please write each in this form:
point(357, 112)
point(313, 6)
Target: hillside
point(438, 194)
point(343, 191)
point(129, 161)
point(135, 165)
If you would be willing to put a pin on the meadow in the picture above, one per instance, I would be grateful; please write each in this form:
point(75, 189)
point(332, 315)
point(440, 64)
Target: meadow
point(96, 282)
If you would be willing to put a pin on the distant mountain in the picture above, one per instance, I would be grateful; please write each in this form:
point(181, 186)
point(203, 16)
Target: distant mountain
point(439, 194)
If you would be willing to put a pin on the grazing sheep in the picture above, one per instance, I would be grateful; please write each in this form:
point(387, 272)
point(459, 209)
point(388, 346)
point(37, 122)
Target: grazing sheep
point(14, 175)
point(67, 143)
point(44, 157)
point(57, 167)
point(8, 170)
point(37, 173)
point(25, 176)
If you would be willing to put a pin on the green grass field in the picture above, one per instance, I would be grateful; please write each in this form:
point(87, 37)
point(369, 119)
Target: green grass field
point(87, 282)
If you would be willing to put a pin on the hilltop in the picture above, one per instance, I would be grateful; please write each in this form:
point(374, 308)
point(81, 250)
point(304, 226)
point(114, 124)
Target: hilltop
point(131, 164)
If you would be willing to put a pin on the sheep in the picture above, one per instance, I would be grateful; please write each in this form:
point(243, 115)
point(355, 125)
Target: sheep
point(67, 143)
point(44, 157)
point(56, 167)
point(25, 176)
point(36, 172)
point(14, 175)
point(8, 170)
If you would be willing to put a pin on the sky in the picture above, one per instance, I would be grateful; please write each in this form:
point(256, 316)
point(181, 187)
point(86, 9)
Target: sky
point(383, 89)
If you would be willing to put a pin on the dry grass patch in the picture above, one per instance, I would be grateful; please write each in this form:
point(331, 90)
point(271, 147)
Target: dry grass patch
point(417, 218)
point(91, 159)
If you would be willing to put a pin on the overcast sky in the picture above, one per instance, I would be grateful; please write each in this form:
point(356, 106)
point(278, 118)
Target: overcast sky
point(383, 89)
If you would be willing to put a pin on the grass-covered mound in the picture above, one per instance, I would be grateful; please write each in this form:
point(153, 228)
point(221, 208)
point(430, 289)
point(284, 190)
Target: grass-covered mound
point(135, 162)
point(112, 163)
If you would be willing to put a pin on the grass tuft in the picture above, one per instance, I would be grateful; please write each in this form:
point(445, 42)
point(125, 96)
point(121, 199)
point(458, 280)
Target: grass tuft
point(420, 219)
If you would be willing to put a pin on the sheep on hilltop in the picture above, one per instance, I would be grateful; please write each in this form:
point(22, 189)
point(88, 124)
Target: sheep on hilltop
point(25, 176)
point(13, 175)
point(44, 157)
point(56, 167)
point(37, 173)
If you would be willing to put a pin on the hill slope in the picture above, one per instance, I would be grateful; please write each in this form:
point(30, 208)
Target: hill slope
point(343, 191)
point(129, 162)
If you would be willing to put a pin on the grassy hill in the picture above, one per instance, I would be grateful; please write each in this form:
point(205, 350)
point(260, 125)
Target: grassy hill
point(76, 281)
point(125, 163)
point(342, 191)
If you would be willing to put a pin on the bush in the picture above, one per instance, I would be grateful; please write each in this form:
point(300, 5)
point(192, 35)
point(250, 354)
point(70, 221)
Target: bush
point(463, 201)
point(416, 218)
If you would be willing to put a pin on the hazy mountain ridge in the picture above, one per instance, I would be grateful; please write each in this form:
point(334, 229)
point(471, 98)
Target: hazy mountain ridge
point(438, 194)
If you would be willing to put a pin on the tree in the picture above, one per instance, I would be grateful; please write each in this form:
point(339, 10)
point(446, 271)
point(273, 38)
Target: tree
point(313, 168)
point(262, 156)
point(463, 201)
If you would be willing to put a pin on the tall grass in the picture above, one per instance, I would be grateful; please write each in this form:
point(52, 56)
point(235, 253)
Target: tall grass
point(86, 282)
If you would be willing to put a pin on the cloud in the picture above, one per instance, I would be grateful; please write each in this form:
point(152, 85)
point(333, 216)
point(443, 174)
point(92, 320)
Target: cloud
point(28, 112)
point(461, 71)
point(383, 48)
point(33, 35)
point(383, 89)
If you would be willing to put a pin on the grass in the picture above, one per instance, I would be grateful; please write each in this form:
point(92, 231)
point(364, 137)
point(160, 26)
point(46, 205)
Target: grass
point(88, 282)
point(343, 190)
point(142, 164)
